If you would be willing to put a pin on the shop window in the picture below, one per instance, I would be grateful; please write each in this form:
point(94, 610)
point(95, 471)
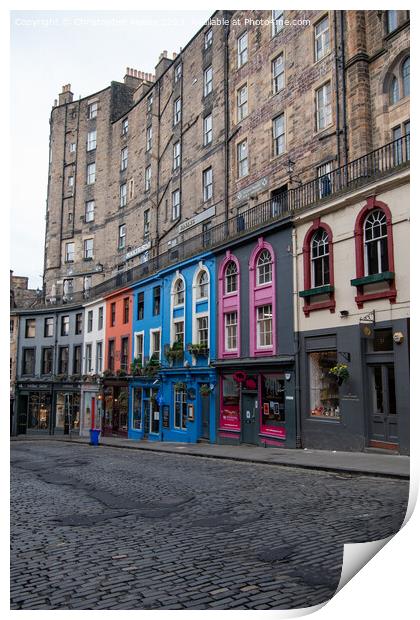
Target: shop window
point(39, 411)
point(137, 407)
point(180, 411)
point(229, 403)
point(272, 401)
point(67, 413)
point(323, 387)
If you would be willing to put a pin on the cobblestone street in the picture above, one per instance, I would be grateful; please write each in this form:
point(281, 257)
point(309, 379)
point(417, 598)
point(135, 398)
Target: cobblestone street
point(108, 528)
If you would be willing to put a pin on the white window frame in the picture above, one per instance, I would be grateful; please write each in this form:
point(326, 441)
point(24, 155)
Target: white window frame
point(260, 281)
point(149, 137)
point(148, 178)
point(242, 159)
point(88, 366)
point(88, 252)
point(177, 111)
point(99, 367)
point(226, 332)
point(123, 194)
point(323, 36)
point(68, 254)
point(91, 140)
point(278, 73)
point(323, 106)
point(198, 317)
point(146, 222)
point(207, 129)
point(208, 38)
point(157, 330)
point(208, 187)
point(259, 323)
point(93, 109)
point(124, 158)
point(91, 173)
point(177, 155)
point(279, 136)
point(177, 321)
point(276, 15)
point(208, 81)
point(138, 353)
point(176, 206)
point(90, 211)
point(178, 72)
point(123, 237)
point(242, 51)
point(124, 127)
point(242, 103)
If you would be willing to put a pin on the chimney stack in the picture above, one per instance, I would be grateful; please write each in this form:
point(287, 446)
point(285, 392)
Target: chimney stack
point(66, 96)
point(163, 63)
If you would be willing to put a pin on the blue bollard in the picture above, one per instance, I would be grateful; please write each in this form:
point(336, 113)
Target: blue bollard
point(94, 436)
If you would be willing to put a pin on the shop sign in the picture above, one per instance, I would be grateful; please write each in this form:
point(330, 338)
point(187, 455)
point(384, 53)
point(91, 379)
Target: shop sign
point(256, 187)
point(201, 217)
point(136, 251)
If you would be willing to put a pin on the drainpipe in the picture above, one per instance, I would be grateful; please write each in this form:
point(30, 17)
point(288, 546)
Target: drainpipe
point(227, 124)
point(343, 88)
point(296, 341)
point(337, 95)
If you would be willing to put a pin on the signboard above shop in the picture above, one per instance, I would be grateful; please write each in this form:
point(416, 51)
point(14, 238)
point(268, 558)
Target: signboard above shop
point(197, 219)
point(136, 251)
point(247, 192)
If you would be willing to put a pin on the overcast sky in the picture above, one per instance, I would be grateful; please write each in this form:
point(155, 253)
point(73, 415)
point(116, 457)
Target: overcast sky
point(87, 49)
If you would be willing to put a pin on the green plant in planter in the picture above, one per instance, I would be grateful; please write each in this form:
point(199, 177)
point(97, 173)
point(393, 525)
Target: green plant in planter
point(175, 352)
point(340, 372)
point(205, 389)
point(121, 372)
point(153, 366)
point(179, 385)
point(108, 373)
point(199, 349)
point(136, 366)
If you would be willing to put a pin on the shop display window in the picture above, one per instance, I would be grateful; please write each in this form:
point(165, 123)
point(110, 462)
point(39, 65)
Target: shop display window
point(323, 387)
point(229, 414)
point(272, 400)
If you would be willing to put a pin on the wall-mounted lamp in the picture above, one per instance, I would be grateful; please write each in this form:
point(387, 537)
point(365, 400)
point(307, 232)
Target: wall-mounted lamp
point(344, 313)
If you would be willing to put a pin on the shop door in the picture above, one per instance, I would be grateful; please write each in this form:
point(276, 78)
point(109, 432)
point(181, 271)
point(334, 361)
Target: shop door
point(250, 418)
point(205, 407)
point(383, 417)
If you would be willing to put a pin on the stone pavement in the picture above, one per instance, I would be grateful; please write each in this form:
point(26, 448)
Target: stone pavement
point(372, 463)
point(108, 528)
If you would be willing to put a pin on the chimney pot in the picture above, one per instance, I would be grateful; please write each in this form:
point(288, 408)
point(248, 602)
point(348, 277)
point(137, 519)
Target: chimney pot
point(174, 55)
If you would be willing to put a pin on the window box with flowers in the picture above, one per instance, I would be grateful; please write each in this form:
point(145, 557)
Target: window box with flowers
point(175, 352)
point(198, 349)
point(205, 389)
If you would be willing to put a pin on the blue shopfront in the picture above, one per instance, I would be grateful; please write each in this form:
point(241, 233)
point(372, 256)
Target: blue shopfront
point(173, 385)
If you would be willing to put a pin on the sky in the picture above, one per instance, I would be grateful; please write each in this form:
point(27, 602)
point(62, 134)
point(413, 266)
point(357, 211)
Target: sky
point(87, 49)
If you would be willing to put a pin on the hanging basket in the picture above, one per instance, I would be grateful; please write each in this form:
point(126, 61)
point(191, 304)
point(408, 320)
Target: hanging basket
point(239, 376)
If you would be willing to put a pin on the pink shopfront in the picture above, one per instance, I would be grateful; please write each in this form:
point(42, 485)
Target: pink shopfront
point(256, 381)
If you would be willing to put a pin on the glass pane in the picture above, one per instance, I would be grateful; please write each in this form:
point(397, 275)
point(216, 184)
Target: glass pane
point(378, 398)
point(323, 387)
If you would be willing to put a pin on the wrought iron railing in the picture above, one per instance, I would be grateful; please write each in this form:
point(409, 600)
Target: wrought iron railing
point(356, 173)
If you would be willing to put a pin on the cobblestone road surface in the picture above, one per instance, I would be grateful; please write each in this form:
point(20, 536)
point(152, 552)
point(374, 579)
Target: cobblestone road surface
point(106, 528)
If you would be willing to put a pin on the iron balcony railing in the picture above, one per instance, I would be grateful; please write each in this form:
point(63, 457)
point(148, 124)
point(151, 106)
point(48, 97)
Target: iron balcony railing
point(359, 172)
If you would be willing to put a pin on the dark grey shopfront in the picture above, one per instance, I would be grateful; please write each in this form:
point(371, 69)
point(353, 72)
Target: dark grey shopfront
point(48, 408)
point(371, 408)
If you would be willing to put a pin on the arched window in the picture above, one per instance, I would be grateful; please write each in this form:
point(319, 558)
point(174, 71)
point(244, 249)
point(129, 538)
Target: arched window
point(203, 284)
point(229, 315)
point(376, 243)
point(320, 258)
point(179, 292)
point(394, 91)
point(264, 268)
point(231, 278)
point(405, 69)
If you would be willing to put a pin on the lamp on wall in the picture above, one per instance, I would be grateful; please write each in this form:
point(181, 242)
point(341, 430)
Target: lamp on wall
point(344, 313)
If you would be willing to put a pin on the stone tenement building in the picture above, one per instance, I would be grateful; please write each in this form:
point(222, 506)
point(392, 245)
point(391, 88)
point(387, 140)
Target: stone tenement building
point(256, 103)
